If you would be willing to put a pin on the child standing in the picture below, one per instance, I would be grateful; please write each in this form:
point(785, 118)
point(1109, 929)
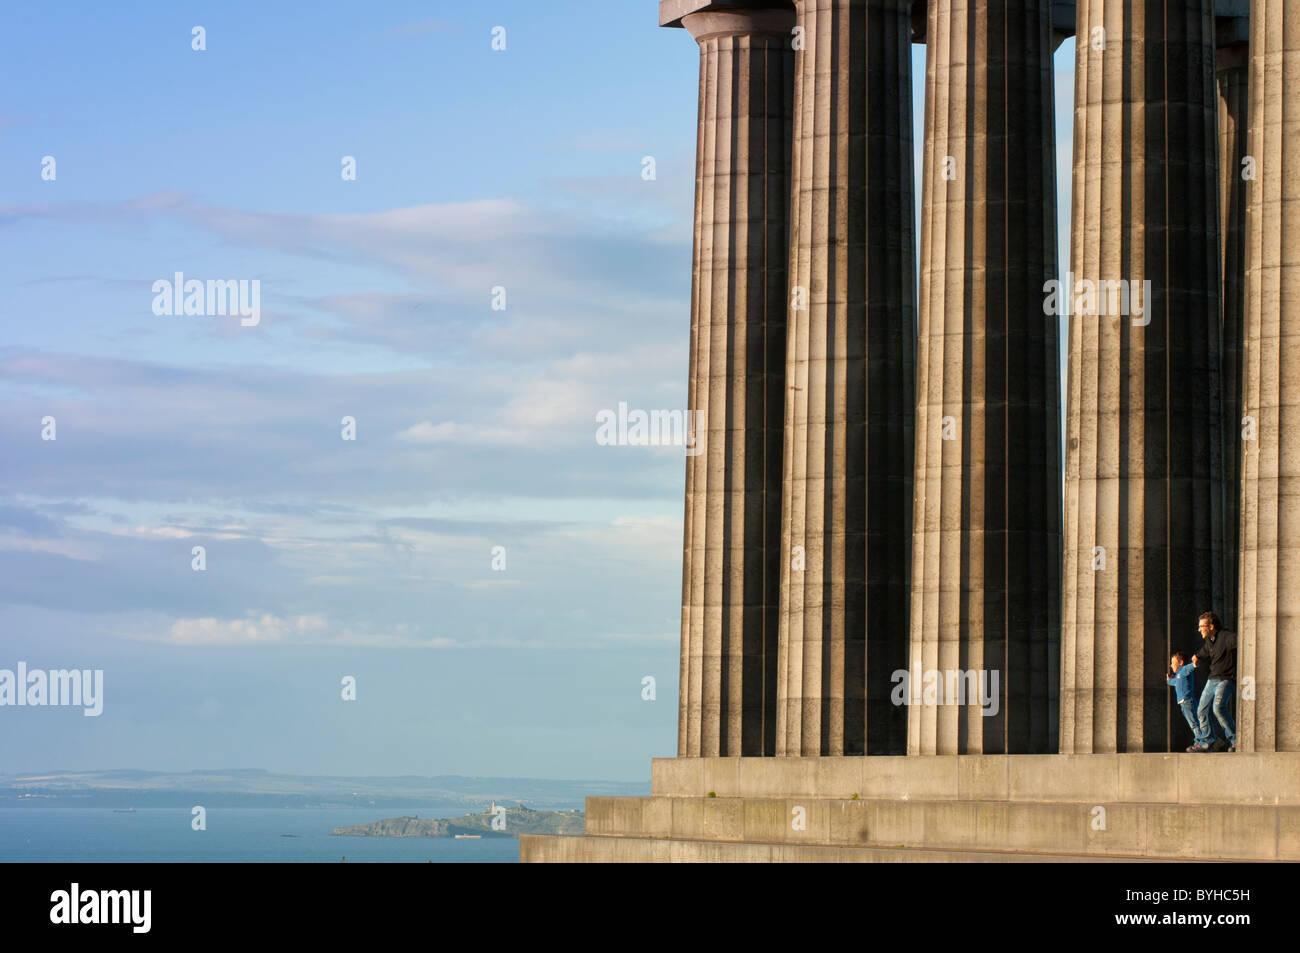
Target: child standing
point(1182, 680)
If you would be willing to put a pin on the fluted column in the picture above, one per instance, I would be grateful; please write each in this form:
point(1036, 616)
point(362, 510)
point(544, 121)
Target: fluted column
point(1144, 461)
point(731, 549)
point(1269, 610)
point(849, 375)
point(985, 558)
point(1233, 85)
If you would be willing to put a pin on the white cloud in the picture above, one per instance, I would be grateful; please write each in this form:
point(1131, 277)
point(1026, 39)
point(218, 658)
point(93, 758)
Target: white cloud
point(71, 548)
point(450, 432)
point(252, 629)
point(266, 629)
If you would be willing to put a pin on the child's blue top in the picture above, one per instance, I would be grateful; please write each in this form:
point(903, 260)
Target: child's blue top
point(1182, 682)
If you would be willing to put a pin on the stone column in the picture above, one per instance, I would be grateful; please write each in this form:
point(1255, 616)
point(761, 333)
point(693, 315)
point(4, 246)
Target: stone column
point(986, 547)
point(1269, 611)
point(1144, 461)
point(849, 375)
point(1232, 76)
point(731, 551)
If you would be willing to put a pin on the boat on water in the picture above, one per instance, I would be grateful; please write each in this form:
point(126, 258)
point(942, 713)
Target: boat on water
point(469, 837)
point(124, 810)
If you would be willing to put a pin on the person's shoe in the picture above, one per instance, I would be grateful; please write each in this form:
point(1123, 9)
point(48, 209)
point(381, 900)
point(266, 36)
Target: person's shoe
point(1199, 749)
point(1219, 745)
point(1232, 747)
point(1193, 748)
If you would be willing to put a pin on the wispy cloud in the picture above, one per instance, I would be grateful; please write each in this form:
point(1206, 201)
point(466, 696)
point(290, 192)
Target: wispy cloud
point(265, 628)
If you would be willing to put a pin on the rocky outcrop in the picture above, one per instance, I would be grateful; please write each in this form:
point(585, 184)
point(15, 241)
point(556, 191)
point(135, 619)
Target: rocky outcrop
point(518, 820)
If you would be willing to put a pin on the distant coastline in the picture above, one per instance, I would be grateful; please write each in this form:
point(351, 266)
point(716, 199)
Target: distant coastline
point(240, 788)
point(510, 822)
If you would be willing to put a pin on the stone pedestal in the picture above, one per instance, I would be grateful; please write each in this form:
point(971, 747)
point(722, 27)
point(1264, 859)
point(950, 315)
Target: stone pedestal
point(987, 517)
point(960, 809)
point(1144, 520)
point(847, 487)
point(731, 552)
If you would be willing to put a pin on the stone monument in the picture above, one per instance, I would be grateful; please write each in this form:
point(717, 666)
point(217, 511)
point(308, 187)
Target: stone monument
point(907, 635)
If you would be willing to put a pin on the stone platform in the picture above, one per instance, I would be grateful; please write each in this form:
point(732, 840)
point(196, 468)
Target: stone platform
point(973, 808)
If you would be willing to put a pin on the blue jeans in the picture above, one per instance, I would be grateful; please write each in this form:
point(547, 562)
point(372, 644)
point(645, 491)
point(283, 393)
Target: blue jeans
point(1189, 712)
point(1217, 692)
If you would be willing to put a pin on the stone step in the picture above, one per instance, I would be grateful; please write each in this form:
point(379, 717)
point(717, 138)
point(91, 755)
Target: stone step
point(1237, 778)
point(560, 849)
point(1206, 832)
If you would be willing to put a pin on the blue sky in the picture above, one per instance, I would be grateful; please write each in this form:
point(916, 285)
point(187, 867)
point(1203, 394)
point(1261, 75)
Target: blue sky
point(372, 558)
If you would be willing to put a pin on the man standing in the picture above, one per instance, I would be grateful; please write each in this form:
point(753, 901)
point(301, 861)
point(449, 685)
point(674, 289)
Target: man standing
point(1219, 648)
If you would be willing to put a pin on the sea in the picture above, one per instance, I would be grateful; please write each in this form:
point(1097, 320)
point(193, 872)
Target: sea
point(233, 835)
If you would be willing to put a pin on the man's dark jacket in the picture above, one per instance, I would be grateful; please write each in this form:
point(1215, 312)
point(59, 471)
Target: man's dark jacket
point(1220, 650)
